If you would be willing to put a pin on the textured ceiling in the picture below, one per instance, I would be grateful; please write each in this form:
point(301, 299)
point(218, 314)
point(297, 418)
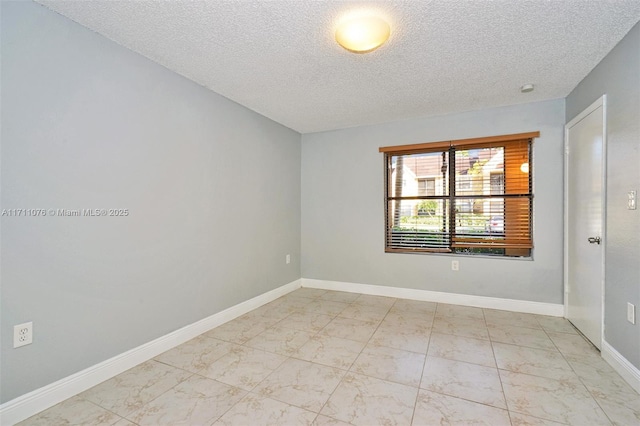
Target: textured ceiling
point(279, 58)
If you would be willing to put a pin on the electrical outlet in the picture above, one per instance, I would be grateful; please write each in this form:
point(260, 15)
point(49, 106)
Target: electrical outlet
point(455, 265)
point(632, 200)
point(288, 259)
point(22, 334)
point(631, 313)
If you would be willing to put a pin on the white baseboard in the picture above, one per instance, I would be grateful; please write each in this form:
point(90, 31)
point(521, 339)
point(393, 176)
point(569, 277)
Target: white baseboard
point(619, 363)
point(551, 309)
point(38, 400)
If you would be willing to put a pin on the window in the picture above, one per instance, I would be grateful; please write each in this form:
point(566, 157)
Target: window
point(497, 182)
point(427, 186)
point(464, 182)
point(477, 199)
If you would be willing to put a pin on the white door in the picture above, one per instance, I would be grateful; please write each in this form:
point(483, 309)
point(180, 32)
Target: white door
point(584, 220)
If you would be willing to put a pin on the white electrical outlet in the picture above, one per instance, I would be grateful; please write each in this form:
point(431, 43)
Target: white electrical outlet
point(455, 266)
point(22, 334)
point(631, 313)
point(632, 201)
point(288, 259)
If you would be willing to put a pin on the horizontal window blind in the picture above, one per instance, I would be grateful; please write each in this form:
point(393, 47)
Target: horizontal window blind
point(471, 196)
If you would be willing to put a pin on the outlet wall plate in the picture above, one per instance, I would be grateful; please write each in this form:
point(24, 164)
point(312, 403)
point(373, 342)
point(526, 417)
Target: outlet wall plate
point(632, 201)
point(631, 313)
point(22, 334)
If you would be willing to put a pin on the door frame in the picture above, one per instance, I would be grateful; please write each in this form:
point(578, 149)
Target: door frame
point(600, 102)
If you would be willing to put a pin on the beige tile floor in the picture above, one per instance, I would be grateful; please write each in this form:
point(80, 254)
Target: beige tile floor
point(316, 357)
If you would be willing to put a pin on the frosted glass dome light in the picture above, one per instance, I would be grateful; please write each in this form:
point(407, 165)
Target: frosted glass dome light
point(363, 34)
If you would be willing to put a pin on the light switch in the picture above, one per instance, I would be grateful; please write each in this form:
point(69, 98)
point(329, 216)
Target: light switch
point(632, 203)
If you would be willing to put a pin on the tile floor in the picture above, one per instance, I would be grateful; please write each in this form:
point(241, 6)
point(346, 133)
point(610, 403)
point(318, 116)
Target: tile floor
point(316, 357)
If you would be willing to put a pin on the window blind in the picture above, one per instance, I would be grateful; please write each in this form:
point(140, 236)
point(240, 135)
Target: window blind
point(471, 196)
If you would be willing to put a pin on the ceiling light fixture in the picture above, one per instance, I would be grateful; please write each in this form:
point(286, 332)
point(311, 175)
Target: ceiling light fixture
point(527, 88)
point(362, 34)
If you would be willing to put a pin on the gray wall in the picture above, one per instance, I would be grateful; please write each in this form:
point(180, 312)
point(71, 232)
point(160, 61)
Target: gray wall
point(343, 209)
point(618, 76)
point(213, 191)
